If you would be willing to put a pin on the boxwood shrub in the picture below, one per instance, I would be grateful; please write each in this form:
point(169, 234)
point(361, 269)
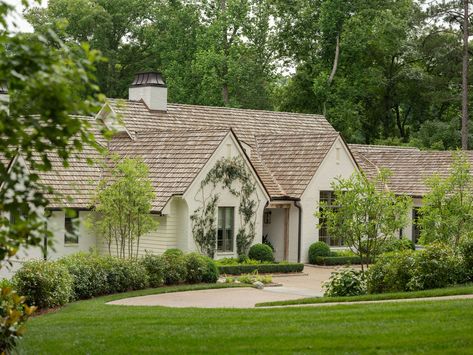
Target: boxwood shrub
point(337, 260)
point(318, 249)
point(45, 284)
point(261, 268)
point(261, 252)
point(154, 265)
point(175, 268)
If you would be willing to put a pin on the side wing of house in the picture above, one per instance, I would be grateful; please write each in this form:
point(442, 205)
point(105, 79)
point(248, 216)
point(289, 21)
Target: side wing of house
point(338, 163)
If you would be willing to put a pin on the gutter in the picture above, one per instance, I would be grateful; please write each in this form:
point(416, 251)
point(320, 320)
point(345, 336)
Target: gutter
point(297, 204)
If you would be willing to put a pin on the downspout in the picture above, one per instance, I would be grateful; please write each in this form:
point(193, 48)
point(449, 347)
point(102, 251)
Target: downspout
point(297, 204)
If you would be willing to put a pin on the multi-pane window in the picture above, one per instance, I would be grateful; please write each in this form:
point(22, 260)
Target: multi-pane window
point(415, 225)
point(71, 235)
point(328, 197)
point(225, 233)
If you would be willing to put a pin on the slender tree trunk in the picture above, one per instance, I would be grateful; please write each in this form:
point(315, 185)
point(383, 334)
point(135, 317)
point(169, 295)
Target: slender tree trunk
point(466, 32)
point(223, 9)
point(335, 60)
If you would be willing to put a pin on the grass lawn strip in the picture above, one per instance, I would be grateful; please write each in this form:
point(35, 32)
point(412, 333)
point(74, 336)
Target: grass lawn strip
point(441, 292)
point(93, 327)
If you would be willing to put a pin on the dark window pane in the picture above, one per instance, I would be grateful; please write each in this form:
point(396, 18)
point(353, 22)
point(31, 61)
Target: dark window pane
point(225, 233)
point(71, 235)
point(329, 198)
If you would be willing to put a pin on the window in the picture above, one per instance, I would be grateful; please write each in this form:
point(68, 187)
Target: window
point(415, 225)
point(329, 198)
point(225, 231)
point(71, 236)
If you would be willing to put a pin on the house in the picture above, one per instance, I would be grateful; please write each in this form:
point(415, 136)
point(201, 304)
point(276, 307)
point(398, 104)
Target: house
point(292, 160)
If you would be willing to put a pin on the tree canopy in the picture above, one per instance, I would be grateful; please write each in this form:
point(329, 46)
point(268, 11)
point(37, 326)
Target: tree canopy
point(382, 71)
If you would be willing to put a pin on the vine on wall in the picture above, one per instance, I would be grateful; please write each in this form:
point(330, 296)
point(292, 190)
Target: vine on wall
point(235, 177)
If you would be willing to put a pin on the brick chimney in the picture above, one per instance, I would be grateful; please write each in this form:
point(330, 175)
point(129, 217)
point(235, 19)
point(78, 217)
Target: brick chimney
point(151, 88)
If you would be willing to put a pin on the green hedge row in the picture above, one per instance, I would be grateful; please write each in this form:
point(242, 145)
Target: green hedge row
point(261, 268)
point(337, 260)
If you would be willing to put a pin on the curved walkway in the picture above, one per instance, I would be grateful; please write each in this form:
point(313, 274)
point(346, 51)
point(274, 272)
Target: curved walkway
point(309, 284)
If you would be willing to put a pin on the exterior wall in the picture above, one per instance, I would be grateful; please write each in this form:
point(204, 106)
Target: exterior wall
point(275, 231)
point(407, 231)
point(337, 163)
point(193, 196)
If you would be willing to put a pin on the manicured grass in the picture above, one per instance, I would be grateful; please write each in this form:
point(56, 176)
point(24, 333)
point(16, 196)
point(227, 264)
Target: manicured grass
point(95, 328)
point(450, 291)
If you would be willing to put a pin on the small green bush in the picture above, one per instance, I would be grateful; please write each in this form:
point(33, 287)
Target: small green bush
point(337, 260)
point(89, 277)
point(318, 249)
point(261, 252)
point(211, 273)
point(45, 284)
point(124, 275)
point(436, 266)
point(175, 268)
point(345, 282)
point(466, 251)
point(196, 265)
point(174, 251)
point(261, 268)
point(391, 272)
point(154, 266)
point(397, 244)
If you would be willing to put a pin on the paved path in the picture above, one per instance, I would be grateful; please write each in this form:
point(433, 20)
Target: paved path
point(294, 287)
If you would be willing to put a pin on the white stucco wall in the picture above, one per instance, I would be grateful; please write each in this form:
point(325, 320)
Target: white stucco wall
point(337, 163)
point(193, 196)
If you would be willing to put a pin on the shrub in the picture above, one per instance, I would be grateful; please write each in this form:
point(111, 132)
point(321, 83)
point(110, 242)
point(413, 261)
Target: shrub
point(154, 266)
point(124, 275)
point(89, 277)
point(436, 266)
point(466, 251)
point(391, 272)
point(318, 249)
point(175, 268)
point(398, 244)
point(44, 283)
point(261, 268)
point(261, 252)
point(14, 313)
point(337, 260)
point(345, 282)
point(211, 273)
point(196, 266)
point(174, 251)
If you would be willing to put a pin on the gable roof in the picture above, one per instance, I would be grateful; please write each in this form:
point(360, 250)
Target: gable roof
point(275, 138)
point(410, 167)
point(174, 157)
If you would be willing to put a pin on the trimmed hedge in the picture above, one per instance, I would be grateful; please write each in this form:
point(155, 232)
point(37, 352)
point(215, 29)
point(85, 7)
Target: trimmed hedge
point(261, 268)
point(337, 260)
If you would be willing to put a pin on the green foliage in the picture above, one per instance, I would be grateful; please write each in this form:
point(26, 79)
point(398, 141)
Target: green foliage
point(339, 260)
point(466, 251)
point(318, 249)
point(345, 282)
point(175, 268)
point(228, 172)
point(261, 252)
point(154, 265)
point(123, 205)
point(391, 272)
point(447, 211)
point(14, 313)
point(254, 277)
point(196, 266)
point(45, 284)
point(173, 252)
point(211, 272)
point(398, 244)
point(366, 216)
point(261, 268)
point(49, 85)
point(436, 266)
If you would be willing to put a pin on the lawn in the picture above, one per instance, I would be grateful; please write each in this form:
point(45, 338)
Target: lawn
point(96, 328)
point(448, 291)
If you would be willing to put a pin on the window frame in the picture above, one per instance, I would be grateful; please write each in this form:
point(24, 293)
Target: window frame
point(228, 244)
point(323, 233)
point(415, 226)
point(70, 228)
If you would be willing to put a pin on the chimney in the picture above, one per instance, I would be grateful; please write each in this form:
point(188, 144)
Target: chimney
point(151, 88)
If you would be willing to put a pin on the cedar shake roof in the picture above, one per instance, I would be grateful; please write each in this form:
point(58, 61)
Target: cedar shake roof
point(174, 157)
point(410, 167)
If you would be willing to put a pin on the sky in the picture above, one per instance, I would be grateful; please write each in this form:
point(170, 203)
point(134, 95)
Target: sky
point(17, 19)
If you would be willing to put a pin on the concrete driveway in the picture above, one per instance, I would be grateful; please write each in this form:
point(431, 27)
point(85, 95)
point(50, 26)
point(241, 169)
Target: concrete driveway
point(309, 284)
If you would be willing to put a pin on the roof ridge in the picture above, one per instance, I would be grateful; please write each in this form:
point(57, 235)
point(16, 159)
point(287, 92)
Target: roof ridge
point(383, 146)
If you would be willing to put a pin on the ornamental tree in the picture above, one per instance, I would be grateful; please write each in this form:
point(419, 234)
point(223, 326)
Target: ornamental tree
point(366, 214)
point(447, 212)
point(123, 204)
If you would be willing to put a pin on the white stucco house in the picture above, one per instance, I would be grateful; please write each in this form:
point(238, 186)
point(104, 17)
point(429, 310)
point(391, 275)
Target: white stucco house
point(293, 159)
